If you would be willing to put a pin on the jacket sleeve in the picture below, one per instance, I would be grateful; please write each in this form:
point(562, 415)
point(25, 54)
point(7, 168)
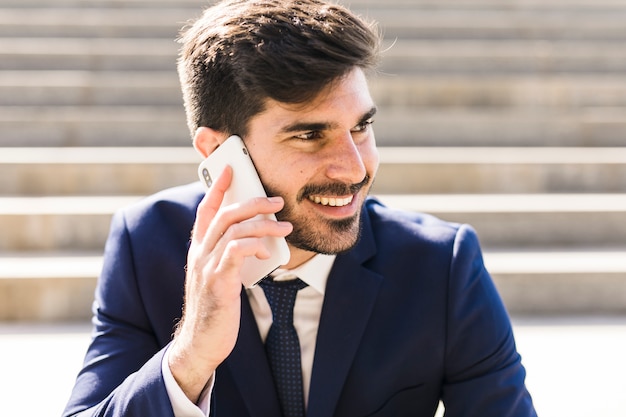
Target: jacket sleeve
point(484, 376)
point(121, 374)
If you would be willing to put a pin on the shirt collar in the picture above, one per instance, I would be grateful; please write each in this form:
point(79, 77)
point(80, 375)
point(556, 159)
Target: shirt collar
point(314, 272)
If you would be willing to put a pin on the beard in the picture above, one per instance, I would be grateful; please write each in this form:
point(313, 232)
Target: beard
point(315, 233)
point(322, 236)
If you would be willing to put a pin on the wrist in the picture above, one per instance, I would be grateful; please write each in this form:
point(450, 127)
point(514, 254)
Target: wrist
point(191, 373)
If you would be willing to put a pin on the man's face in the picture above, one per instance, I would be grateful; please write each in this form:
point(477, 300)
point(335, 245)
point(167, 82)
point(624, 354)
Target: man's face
point(321, 158)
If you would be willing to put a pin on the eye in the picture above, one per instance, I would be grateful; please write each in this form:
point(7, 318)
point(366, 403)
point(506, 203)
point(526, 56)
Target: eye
point(361, 127)
point(312, 135)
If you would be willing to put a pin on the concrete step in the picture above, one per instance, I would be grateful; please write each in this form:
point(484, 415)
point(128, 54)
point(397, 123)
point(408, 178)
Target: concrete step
point(499, 22)
point(414, 91)
point(85, 88)
point(555, 5)
point(411, 170)
point(587, 127)
point(164, 21)
point(103, 22)
point(148, 4)
point(55, 286)
point(529, 220)
point(166, 126)
point(513, 220)
point(452, 170)
point(560, 281)
point(402, 56)
point(57, 223)
point(50, 286)
point(514, 91)
point(505, 56)
point(98, 54)
point(95, 171)
point(93, 126)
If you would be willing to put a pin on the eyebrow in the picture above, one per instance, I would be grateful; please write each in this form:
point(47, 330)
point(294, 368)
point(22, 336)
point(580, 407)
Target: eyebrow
point(318, 126)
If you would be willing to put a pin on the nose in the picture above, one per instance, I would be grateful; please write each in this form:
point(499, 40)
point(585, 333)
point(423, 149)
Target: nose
point(345, 161)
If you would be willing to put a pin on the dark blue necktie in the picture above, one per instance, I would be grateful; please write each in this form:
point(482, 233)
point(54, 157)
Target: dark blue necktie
point(282, 345)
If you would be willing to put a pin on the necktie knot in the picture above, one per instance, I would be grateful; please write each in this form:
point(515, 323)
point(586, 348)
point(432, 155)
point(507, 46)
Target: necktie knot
point(281, 296)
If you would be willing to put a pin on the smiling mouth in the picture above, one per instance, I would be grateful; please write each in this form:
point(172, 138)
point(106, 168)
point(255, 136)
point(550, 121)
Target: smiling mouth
point(331, 201)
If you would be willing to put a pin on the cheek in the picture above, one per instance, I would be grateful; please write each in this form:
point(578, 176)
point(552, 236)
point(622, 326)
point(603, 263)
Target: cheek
point(267, 163)
point(294, 173)
point(284, 175)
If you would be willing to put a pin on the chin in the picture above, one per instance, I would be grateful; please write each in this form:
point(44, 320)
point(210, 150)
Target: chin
point(338, 236)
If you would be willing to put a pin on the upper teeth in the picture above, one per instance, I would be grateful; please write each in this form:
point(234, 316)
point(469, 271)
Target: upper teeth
point(331, 201)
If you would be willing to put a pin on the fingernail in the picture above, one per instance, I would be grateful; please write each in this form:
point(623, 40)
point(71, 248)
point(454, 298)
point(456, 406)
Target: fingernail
point(275, 200)
point(284, 224)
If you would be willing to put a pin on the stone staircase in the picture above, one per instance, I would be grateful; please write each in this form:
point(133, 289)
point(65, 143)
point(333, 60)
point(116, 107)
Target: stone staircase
point(508, 115)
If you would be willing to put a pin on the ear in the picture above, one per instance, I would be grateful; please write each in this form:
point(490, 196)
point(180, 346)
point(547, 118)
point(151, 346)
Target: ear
point(206, 140)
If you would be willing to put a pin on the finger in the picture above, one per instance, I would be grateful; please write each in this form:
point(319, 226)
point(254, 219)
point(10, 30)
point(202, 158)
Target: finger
point(211, 203)
point(253, 229)
point(237, 251)
point(258, 228)
point(218, 276)
point(237, 213)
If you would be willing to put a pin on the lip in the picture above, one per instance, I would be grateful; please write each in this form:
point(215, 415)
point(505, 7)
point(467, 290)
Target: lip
point(332, 201)
point(339, 210)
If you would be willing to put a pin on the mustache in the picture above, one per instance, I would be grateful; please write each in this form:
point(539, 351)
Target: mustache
point(333, 188)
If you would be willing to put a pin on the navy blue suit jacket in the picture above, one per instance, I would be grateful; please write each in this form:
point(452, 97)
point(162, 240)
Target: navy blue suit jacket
point(410, 317)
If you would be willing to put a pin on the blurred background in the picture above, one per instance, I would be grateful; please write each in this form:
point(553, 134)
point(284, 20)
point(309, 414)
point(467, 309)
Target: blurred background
point(509, 115)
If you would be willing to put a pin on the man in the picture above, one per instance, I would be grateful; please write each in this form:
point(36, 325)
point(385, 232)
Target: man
point(397, 310)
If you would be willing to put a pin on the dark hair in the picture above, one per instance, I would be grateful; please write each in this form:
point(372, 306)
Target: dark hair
point(241, 52)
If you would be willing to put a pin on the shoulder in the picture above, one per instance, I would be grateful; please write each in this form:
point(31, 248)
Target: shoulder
point(151, 236)
point(167, 216)
point(173, 204)
point(393, 223)
point(400, 236)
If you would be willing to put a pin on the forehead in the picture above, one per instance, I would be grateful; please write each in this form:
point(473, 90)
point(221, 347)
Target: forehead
point(343, 102)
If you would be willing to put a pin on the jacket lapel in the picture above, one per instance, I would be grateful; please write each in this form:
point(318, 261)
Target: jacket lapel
point(249, 367)
point(350, 296)
point(349, 299)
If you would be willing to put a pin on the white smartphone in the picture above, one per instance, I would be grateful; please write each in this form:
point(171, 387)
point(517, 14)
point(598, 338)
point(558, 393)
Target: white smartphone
point(245, 185)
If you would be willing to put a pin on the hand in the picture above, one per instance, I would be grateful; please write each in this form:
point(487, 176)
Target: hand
point(220, 242)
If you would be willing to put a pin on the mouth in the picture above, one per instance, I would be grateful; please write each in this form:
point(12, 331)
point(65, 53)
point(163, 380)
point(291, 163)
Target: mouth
point(334, 195)
point(331, 201)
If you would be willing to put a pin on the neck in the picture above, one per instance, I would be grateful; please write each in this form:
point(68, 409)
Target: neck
point(298, 257)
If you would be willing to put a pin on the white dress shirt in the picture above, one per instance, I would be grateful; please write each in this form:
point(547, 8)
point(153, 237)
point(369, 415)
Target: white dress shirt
point(306, 317)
